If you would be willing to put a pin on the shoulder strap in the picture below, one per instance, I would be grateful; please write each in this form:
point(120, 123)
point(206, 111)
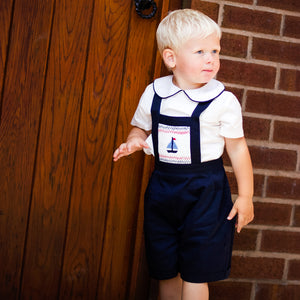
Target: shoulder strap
point(155, 110)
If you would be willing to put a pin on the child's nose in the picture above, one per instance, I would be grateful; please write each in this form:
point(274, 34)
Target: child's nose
point(208, 57)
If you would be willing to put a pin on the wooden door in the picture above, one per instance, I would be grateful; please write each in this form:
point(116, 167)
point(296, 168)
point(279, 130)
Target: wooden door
point(71, 74)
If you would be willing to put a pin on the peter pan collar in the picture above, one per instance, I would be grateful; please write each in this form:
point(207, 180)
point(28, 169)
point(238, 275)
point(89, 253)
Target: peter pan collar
point(165, 88)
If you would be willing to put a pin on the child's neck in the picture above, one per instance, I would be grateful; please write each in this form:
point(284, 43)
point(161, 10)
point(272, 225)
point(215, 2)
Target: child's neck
point(184, 86)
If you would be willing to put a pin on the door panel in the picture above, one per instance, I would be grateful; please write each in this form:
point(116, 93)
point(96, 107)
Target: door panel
point(71, 75)
point(56, 149)
point(21, 108)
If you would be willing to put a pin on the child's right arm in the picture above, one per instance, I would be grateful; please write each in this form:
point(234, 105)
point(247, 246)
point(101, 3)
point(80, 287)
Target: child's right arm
point(135, 141)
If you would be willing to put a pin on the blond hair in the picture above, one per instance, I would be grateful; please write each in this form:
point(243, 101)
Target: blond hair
point(181, 25)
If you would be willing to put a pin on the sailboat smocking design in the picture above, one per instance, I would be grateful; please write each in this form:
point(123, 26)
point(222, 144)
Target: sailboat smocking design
point(172, 147)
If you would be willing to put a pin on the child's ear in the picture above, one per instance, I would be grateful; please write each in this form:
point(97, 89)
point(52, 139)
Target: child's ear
point(169, 58)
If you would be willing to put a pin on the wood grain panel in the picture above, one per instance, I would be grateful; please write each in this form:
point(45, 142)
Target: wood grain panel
point(56, 149)
point(127, 173)
point(140, 283)
point(71, 219)
point(5, 19)
point(94, 153)
point(21, 108)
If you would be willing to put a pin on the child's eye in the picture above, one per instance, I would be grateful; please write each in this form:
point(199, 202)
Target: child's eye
point(200, 52)
point(215, 51)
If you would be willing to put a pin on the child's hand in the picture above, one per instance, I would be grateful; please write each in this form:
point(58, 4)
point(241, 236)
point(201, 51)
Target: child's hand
point(129, 147)
point(243, 206)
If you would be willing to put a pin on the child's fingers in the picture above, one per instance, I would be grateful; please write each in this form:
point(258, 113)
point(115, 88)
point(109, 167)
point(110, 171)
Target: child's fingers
point(116, 155)
point(232, 213)
point(120, 152)
point(243, 220)
point(128, 148)
point(240, 223)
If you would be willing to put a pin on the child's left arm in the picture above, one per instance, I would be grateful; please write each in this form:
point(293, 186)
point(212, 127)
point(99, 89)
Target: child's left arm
point(241, 163)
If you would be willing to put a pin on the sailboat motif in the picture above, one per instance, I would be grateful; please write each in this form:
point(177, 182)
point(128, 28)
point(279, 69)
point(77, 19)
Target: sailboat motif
point(172, 147)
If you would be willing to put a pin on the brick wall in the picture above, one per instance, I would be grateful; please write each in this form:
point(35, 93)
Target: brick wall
point(260, 64)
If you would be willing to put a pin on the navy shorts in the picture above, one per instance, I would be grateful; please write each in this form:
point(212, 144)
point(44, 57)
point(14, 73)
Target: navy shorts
point(185, 224)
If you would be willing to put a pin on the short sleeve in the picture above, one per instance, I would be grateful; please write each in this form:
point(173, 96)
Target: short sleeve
point(142, 116)
point(150, 150)
point(231, 117)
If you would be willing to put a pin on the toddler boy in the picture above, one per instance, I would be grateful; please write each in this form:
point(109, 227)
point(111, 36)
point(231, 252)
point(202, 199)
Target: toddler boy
point(185, 120)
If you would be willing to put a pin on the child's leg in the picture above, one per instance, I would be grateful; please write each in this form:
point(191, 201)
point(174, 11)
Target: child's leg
point(194, 291)
point(170, 289)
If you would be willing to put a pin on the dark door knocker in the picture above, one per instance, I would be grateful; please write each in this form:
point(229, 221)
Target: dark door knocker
point(142, 5)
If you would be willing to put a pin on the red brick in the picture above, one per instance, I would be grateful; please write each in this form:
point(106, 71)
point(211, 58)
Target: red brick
point(272, 104)
point(277, 51)
point(291, 27)
point(246, 240)
point(293, 5)
point(272, 214)
point(273, 159)
point(251, 20)
point(258, 129)
point(257, 267)
point(294, 270)
point(296, 221)
point(227, 290)
point(237, 92)
point(247, 74)
point(280, 241)
point(243, 1)
point(210, 9)
point(283, 187)
point(289, 80)
point(234, 45)
point(287, 132)
point(258, 181)
point(277, 292)
point(226, 160)
point(232, 182)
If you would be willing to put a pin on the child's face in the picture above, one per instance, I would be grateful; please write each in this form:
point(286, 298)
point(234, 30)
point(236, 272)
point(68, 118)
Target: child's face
point(196, 62)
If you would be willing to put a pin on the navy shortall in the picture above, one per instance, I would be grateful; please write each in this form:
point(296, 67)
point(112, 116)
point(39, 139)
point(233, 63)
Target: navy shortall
point(186, 206)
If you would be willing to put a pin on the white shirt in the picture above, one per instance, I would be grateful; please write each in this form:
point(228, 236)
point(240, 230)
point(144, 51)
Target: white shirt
point(222, 118)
